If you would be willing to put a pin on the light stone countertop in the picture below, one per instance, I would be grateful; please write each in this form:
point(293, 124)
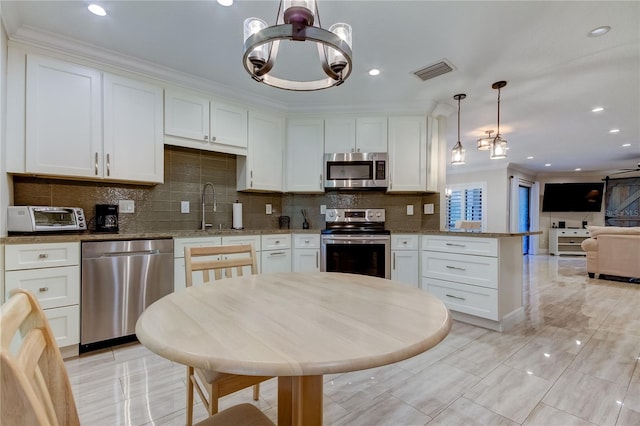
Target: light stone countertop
point(103, 236)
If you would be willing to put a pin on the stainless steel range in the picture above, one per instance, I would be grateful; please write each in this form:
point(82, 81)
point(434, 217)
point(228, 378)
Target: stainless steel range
point(355, 241)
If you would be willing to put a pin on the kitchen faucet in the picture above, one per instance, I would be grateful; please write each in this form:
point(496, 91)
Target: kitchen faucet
point(204, 192)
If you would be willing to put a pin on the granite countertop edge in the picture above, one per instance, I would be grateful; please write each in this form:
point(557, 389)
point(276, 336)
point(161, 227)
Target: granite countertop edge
point(100, 236)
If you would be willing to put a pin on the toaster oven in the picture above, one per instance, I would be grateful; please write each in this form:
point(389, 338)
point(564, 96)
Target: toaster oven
point(45, 219)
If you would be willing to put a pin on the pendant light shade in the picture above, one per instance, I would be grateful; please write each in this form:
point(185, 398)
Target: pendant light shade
point(498, 145)
point(457, 153)
point(484, 144)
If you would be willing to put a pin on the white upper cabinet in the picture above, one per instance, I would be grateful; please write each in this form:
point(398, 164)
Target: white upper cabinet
point(186, 115)
point(81, 123)
point(228, 125)
point(362, 134)
point(305, 156)
point(339, 135)
point(63, 131)
point(133, 147)
point(371, 134)
point(262, 168)
point(196, 121)
point(407, 154)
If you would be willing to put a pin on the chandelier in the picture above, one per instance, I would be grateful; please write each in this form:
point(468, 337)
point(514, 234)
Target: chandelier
point(457, 153)
point(484, 144)
point(295, 21)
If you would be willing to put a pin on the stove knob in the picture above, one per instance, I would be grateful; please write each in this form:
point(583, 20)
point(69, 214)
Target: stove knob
point(330, 214)
point(378, 214)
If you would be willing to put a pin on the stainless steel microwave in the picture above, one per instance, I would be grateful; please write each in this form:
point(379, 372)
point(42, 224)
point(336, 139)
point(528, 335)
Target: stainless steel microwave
point(356, 170)
point(45, 219)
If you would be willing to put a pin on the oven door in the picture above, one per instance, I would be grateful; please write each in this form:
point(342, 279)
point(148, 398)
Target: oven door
point(357, 254)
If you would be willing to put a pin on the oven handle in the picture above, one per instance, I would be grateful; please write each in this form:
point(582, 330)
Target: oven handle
point(356, 240)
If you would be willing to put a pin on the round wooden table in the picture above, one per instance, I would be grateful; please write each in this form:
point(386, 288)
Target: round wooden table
point(296, 326)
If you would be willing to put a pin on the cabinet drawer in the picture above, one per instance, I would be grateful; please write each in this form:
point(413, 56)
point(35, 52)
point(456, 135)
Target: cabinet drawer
point(54, 287)
point(276, 242)
point(242, 239)
point(469, 299)
point(65, 324)
point(404, 242)
point(474, 270)
point(306, 241)
point(572, 232)
point(31, 256)
point(463, 245)
point(180, 243)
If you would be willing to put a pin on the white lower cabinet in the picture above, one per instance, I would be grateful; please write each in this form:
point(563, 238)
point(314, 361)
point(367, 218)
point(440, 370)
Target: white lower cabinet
point(276, 253)
point(405, 259)
point(478, 278)
point(306, 253)
point(179, 279)
point(51, 272)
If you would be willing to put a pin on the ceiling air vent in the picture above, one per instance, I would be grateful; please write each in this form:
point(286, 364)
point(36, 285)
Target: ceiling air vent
point(434, 70)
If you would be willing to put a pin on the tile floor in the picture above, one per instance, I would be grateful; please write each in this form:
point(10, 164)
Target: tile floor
point(574, 361)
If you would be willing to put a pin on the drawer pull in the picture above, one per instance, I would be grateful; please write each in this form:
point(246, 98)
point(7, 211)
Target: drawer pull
point(43, 255)
point(277, 253)
point(456, 245)
point(455, 297)
point(456, 268)
point(43, 289)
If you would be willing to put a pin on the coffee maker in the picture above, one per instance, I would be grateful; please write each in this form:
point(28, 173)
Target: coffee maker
point(106, 218)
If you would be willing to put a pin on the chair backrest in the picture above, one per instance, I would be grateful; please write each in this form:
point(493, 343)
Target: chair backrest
point(219, 259)
point(34, 385)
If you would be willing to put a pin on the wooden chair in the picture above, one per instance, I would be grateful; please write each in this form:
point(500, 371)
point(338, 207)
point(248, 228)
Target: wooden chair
point(34, 386)
point(224, 262)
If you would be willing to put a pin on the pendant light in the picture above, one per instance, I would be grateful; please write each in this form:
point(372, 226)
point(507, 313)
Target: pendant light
point(498, 145)
point(457, 153)
point(484, 144)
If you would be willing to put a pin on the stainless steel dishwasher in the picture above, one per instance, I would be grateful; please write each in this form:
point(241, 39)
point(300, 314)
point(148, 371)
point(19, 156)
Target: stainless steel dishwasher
point(119, 280)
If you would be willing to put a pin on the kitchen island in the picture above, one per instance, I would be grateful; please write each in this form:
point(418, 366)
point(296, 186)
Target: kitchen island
point(477, 275)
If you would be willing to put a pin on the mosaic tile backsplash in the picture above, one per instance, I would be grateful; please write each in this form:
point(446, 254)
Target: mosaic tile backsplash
point(157, 207)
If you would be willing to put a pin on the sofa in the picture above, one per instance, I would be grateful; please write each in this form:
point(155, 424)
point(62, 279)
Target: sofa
point(613, 251)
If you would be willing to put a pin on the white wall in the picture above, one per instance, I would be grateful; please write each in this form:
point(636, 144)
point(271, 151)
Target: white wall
point(6, 191)
point(497, 196)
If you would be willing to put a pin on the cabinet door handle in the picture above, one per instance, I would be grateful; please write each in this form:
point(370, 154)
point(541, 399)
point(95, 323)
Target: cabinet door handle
point(394, 261)
point(455, 297)
point(456, 245)
point(306, 241)
point(320, 180)
point(43, 255)
point(108, 165)
point(213, 139)
point(96, 164)
point(317, 261)
point(456, 268)
point(43, 289)
point(206, 137)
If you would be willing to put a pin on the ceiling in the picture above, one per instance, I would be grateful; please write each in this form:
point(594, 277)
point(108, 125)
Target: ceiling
point(556, 74)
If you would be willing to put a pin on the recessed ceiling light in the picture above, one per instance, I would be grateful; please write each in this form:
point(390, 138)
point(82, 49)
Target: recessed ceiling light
point(625, 145)
point(578, 169)
point(374, 71)
point(97, 10)
point(225, 2)
point(530, 157)
point(614, 131)
point(597, 109)
point(597, 32)
point(548, 165)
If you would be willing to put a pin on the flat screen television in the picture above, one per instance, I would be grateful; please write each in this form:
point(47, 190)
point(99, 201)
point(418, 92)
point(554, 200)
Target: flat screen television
point(573, 197)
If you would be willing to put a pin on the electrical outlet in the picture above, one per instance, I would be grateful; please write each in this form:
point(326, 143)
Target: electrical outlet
point(269, 209)
point(184, 207)
point(409, 209)
point(126, 206)
point(428, 209)
point(323, 209)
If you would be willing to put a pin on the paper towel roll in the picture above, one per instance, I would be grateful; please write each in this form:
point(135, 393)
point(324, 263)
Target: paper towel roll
point(237, 215)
